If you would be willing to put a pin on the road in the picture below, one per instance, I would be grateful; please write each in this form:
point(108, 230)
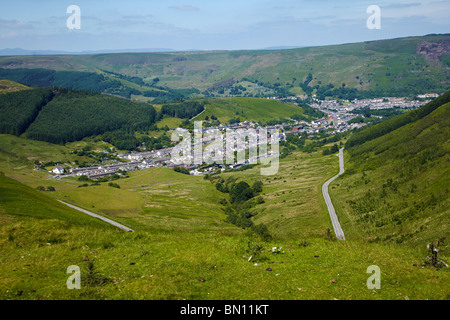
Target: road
point(118, 225)
point(334, 220)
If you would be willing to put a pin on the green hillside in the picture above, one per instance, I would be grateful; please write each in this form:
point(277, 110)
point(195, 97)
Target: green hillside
point(384, 67)
point(75, 115)
point(396, 184)
point(20, 201)
point(63, 115)
point(183, 249)
point(20, 109)
point(251, 109)
point(11, 86)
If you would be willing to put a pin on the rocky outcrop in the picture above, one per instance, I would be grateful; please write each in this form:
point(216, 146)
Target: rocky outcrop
point(433, 51)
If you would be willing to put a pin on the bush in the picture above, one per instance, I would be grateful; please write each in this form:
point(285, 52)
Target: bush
point(114, 185)
point(259, 200)
point(256, 252)
point(329, 235)
point(257, 187)
point(181, 170)
point(93, 278)
point(262, 230)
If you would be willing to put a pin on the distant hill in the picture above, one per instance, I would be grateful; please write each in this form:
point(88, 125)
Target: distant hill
point(397, 178)
point(404, 66)
point(24, 52)
point(11, 86)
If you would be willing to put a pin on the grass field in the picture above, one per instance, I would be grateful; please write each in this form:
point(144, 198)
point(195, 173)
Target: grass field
point(252, 109)
point(195, 258)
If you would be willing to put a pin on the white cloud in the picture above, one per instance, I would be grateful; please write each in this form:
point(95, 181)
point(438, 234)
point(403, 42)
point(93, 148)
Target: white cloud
point(184, 7)
point(14, 24)
point(8, 35)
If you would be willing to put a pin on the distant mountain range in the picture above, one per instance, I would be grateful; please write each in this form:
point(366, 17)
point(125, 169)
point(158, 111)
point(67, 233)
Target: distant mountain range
point(24, 52)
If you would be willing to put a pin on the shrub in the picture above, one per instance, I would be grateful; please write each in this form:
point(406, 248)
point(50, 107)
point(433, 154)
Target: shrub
point(262, 230)
point(92, 277)
point(256, 252)
point(83, 178)
point(257, 187)
point(114, 185)
point(329, 235)
point(181, 170)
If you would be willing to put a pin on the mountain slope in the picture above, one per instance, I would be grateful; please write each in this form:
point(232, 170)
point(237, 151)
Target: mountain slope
point(388, 66)
point(18, 200)
point(396, 184)
point(7, 86)
point(251, 109)
point(61, 115)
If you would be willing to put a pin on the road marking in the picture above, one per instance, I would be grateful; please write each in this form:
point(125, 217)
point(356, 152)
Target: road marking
point(334, 220)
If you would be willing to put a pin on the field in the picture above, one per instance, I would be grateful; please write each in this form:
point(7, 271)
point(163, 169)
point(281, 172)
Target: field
point(183, 249)
point(252, 109)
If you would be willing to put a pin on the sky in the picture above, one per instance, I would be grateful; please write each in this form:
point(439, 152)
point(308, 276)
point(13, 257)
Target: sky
point(212, 24)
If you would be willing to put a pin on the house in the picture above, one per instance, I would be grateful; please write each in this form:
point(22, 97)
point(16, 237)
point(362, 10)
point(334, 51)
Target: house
point(147, 162)
point(58, 170)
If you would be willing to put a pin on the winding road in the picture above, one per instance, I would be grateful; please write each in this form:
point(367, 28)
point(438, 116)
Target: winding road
point(334, 220)
point(118, 225)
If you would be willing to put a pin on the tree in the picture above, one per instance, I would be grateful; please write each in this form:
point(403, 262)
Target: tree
point(83, 178)
point(241, 192)
point(257, 187)
point(334, 148)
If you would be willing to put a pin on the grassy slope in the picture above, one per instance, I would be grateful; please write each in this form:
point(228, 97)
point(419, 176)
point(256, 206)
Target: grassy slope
point(19, 200)
point(11, 86)
point(293, 206)
point(168, 261)
point(413, 207)
point(253, 109)
point(17, 157)
point(389, 63)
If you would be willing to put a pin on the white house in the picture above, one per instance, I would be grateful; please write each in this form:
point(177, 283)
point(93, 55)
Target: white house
point(58, 170)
